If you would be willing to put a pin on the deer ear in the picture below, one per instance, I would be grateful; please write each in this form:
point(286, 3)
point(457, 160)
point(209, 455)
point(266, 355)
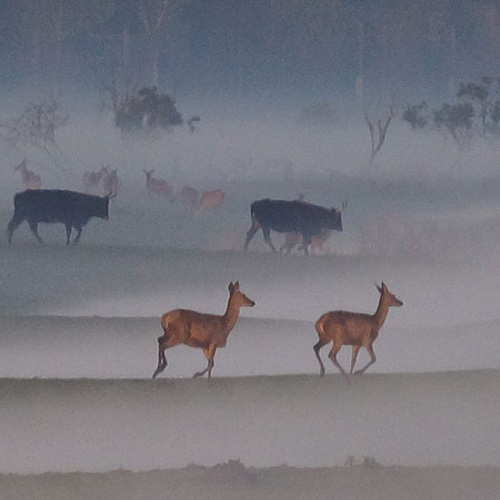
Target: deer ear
point(379, 288)
point(237, 285)
point(230, 287)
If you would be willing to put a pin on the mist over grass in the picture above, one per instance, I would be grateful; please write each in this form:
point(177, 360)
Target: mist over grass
point(423, 218)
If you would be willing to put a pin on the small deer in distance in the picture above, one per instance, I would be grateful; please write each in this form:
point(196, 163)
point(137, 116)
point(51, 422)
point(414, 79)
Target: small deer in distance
point(354, 329)
point(111, 182)
point(157, 186)
point(205, 331)
point(318, 242)
point(189, 198)
point(30, 179)
point(210, 200)
point(92, 180)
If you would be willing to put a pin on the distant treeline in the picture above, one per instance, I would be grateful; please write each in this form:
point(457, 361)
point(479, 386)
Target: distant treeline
point(245, 46)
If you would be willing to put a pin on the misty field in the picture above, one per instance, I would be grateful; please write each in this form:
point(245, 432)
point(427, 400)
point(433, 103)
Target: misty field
point(78, 329)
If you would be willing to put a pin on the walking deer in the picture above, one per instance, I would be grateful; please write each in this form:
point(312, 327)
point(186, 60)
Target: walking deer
point(92, 180)
point(157, 186)
point(354, 329)
point(209, 200)
point(205, 331)
point(30, 179)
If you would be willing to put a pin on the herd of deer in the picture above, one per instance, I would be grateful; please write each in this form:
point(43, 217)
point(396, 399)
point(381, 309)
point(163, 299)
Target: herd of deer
point(106, 181)
point(188, 196)
point(210, 331)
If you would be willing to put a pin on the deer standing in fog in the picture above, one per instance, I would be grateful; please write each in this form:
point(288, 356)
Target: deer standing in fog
point(92, 180)
point(205, 331)
point(354, 329)
point(111, 183)
point(30, 179)
point(209, 200)
point(189, 198)
point(157, 186)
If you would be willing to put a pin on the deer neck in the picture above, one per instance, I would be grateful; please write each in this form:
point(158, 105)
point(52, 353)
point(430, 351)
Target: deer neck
point(381, 312)
point(231, 315)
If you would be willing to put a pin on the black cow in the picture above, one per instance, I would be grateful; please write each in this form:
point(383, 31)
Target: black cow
point(70, 208)
point(292, 217)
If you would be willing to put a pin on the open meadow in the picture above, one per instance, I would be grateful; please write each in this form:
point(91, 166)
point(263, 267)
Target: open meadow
point(81, 418)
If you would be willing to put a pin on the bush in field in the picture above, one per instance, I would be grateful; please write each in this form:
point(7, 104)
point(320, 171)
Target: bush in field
point(477, 112)
point(144, 110)
point(414, 115)
point(456, 119)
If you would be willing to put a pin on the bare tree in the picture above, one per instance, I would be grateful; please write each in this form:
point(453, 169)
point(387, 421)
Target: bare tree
point(152, 14)
point(36, 127)
point(378, 130)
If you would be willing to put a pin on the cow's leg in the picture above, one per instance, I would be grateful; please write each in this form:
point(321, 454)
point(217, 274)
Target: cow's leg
point(34, 230)
point(79, 233)
point(267, 237)
point(68, 233)
point(250, 233)
point(13, 225)
point(306, 241)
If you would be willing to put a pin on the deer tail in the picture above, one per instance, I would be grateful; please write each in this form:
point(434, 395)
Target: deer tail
point(319, 327)
point(165, 321)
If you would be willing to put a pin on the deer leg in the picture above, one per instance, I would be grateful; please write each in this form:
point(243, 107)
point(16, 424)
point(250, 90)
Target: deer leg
point(316, 348)
point(354, 355)
point(209, 354)
point(369, 348)
point(162, 359)
point(333, 356)
point(164, 342)
point(211, 363)
point(250, 233)
point(34, 230)
point(267, 238)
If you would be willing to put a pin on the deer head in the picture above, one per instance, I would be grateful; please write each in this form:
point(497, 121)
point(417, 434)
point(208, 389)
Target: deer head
point(238, 297)
point(393, 301)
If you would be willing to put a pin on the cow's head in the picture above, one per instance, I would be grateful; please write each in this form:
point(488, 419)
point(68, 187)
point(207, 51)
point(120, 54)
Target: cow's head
point(334, 220)
point(103, 208)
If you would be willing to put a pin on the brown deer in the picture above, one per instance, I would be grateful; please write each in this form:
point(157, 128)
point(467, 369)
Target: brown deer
point(157, 186)
point(354, 329)
point(318, 242)
point(205, 331)
point(209, 200)
point(92, 180)
point(111, 183)
point(189, 198)
point(30, 179)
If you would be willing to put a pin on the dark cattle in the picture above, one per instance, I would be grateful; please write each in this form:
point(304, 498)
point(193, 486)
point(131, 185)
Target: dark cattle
point(70, 208)
point(292, 217)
